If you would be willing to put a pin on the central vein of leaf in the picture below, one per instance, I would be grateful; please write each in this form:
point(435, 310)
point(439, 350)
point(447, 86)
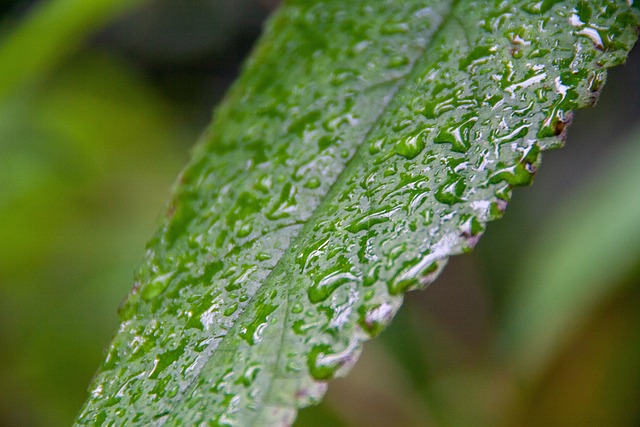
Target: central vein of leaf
point(290, 254)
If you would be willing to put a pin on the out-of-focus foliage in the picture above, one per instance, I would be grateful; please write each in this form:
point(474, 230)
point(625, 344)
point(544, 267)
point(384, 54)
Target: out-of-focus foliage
point(90, 146)
point(90, 142)
point(84, 158)
point(52, 31)
point(576, 260)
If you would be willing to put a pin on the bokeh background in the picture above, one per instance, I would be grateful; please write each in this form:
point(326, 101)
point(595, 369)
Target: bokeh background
point(100, 103)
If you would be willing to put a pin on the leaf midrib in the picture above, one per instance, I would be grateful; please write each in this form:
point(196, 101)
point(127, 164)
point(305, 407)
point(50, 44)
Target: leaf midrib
point(298, 237)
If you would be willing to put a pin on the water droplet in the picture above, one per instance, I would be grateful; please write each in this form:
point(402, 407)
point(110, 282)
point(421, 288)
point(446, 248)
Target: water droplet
point(249, 376)
point(264, 184)
point(395, 252)
point(326, 285)
point(367, 221)
point(402, 124)
point(527, 82)
point(156, 286)
point(519, 174)
point(286, 203)
point(300, 327)
point(244, 230)
point(312, 183)
point(373, 319)
point(263, 256)
point(593, 35)
point(457, 135)
point(297, 308)
point(397, 61)
point(372, 275)
point(451, 191)
point(252, 332)
point(229, 271)
point(407, 281)
point(479, 55)
point(320, 364)
point(518, 132)
point(391, 28)
point(540, 7)
point(173, 392)
point(391, 170)
point(410, 146)
point(164, 360)
point(231, 309)
point(310, 252)
point(338, 77)
point(324, 362)
point(376, 146)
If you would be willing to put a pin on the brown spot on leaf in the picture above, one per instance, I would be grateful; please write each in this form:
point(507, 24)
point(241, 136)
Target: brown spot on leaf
point(561, 126)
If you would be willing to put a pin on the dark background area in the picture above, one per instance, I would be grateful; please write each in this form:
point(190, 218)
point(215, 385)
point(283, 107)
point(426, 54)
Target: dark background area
point(93, 137)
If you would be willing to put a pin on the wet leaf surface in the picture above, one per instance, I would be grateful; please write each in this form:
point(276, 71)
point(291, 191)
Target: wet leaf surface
point(364, 143)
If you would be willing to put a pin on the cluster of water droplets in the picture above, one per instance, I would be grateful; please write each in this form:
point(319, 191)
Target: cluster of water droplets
point(365, 143)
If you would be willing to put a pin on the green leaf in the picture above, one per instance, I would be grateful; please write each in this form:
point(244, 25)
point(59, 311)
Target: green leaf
point(364, 143)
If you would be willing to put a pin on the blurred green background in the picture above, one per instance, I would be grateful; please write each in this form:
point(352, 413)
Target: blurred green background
point(100, 102)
